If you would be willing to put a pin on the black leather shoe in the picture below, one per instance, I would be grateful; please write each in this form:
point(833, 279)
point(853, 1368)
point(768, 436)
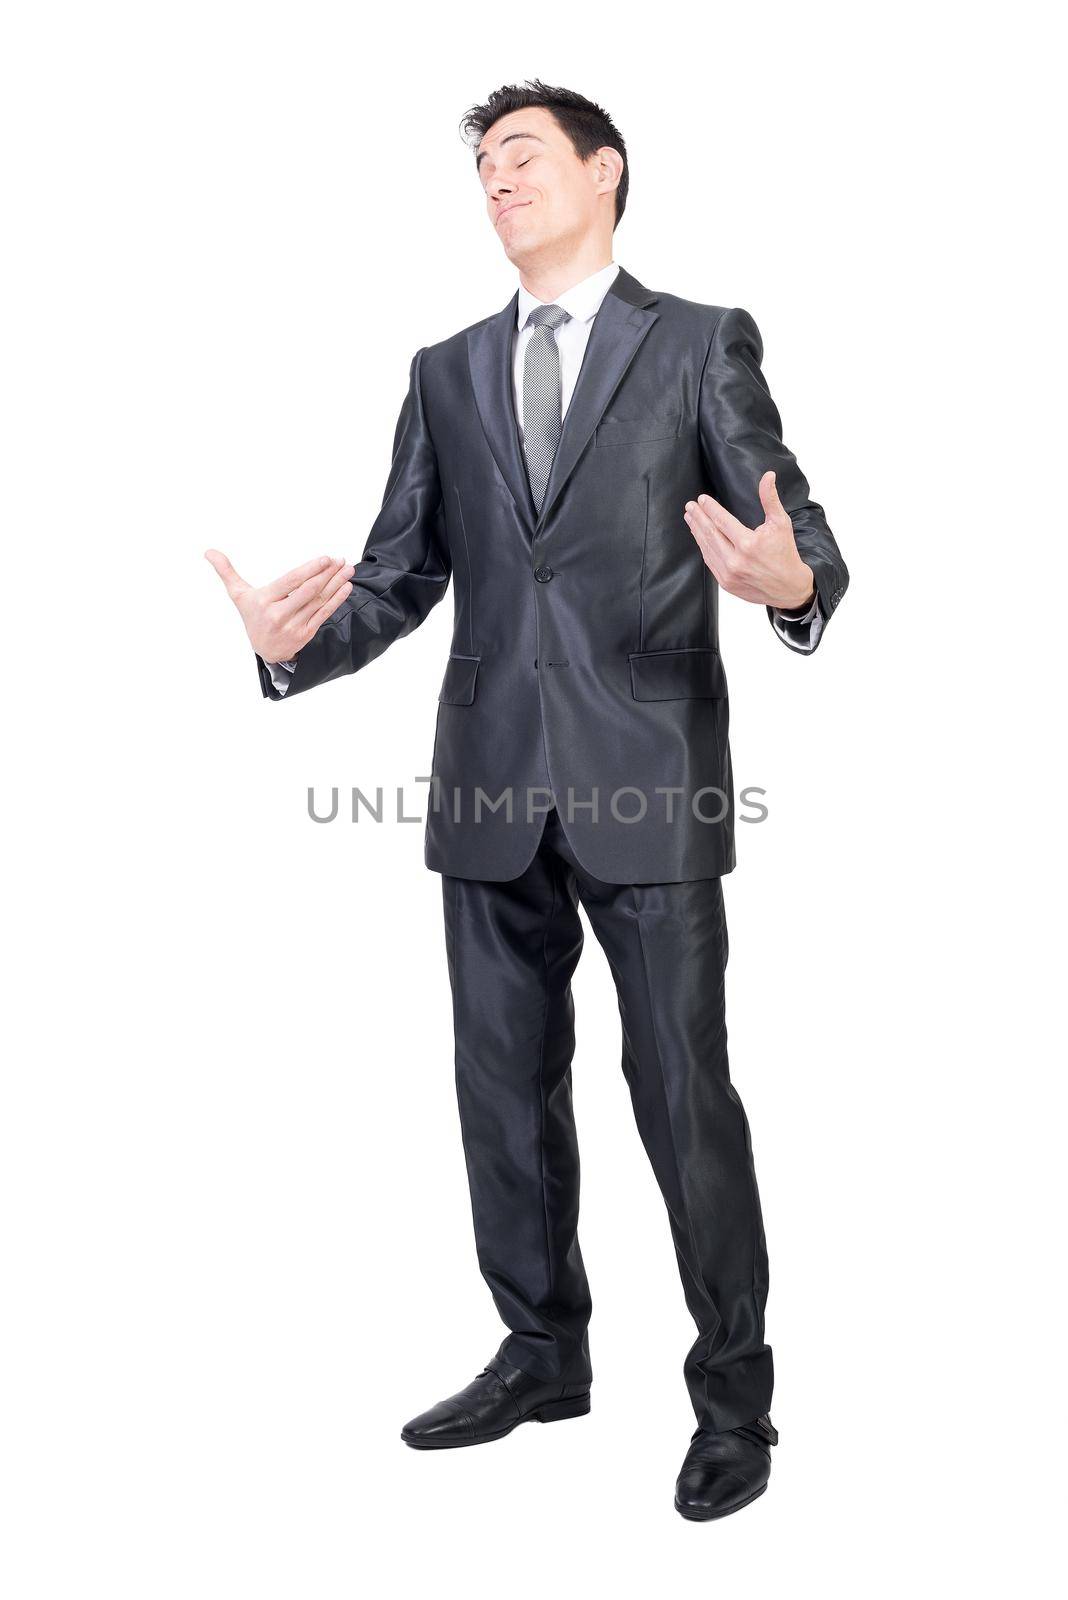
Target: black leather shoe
point(494, 1403)
point(725, 1471)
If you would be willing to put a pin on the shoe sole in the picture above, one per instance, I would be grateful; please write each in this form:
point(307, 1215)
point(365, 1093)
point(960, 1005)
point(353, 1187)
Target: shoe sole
point(557, 1411)
point(693, 1515)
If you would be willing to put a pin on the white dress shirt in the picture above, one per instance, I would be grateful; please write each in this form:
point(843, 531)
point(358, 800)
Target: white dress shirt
point(582, 302)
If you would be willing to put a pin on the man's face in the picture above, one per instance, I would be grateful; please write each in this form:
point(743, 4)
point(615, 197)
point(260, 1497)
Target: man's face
point(539, 195)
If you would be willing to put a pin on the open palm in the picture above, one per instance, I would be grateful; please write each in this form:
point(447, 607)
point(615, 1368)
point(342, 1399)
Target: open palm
point(281, 617)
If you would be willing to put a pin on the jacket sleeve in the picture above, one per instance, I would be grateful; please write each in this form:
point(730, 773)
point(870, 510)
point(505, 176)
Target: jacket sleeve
point(403, 572)
point(741, 437)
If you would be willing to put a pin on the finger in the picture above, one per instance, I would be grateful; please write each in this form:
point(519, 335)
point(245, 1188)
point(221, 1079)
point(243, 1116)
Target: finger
point(317, 618)
point(325, 593)
point(708, 531)
point(292, 580)
point(312, 592)
point(769, 497)
point(235, 583)
point(723, 520)
point(716, 551)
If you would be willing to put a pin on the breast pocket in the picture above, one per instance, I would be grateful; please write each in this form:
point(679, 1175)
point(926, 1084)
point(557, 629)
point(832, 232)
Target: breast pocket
point(458, 685)
point(637, 430)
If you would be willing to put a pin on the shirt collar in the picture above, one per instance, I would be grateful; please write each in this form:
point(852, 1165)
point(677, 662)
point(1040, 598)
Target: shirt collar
point(582, 301)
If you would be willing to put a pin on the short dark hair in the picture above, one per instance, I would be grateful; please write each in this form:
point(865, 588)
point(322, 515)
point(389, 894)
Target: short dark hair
point(586, 124)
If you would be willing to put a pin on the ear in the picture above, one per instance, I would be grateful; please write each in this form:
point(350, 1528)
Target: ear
point(608, 169)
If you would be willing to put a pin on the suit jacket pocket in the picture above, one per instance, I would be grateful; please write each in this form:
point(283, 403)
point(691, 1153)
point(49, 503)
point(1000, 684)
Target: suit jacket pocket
point(637, 430)
point(458, 685)
point(677, 675)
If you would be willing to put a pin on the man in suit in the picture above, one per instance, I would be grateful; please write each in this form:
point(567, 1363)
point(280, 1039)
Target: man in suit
point(592, 466)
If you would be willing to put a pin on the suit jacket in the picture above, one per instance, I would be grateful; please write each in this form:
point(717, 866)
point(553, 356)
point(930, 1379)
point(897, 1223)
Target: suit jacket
point(585, 659)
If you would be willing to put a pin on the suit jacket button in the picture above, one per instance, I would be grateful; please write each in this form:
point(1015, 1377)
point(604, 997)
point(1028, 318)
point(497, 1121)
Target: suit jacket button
point(543, 574)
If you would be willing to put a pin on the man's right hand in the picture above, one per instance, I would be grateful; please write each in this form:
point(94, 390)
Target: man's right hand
point(281, 617)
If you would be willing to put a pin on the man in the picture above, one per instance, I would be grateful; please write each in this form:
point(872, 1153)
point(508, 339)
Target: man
point(592, 465)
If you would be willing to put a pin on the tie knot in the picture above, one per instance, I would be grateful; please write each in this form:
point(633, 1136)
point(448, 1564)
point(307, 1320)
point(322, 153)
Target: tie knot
point(547, 317)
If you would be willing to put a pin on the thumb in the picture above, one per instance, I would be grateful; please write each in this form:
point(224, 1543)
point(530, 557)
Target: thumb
point(235, 583)
point(769, 497)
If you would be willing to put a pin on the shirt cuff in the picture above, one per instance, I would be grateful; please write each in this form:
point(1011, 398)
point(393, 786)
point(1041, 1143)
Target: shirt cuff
point(281, 672)
point(798, 628)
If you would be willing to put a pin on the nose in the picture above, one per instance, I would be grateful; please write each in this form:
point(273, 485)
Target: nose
point(499, 187)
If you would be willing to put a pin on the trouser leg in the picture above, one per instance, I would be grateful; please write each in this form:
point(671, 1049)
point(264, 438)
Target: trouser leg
point(512, 948)
point(667, 947)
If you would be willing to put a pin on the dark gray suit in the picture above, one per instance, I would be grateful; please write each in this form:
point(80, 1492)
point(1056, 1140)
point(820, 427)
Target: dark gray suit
point(585, 657)
point(585, 667)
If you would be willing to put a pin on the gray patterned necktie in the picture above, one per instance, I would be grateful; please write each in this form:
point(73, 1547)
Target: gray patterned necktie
point(541, 397)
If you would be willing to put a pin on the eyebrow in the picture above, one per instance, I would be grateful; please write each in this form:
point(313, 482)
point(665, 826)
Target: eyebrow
point(507, 138)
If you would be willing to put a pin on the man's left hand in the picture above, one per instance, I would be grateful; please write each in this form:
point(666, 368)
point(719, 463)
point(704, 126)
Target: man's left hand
point(762, 564)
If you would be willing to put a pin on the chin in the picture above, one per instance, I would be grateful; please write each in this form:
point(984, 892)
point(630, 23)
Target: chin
point(521, 245)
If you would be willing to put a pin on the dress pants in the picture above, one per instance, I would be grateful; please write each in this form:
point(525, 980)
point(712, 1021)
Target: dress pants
point(512, 949)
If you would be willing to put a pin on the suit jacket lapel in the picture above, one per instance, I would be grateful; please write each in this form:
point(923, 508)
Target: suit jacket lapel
point(618, 330)
point(489, 352)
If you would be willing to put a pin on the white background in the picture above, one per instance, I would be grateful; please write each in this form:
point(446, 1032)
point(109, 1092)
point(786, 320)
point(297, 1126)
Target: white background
point(237, 1252)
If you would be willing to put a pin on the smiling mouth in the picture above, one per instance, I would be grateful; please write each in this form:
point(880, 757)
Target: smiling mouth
point(507, 209)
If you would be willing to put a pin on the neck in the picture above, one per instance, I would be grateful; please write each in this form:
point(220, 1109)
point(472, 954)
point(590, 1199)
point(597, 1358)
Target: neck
point(550, 276)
